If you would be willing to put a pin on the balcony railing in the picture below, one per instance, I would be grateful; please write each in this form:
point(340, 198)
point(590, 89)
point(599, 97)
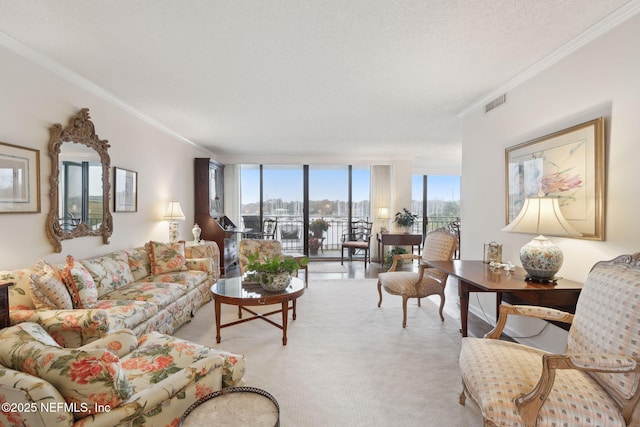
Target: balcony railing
point(290, 232)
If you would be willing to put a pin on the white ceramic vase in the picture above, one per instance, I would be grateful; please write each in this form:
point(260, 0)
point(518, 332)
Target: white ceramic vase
point(196, 230)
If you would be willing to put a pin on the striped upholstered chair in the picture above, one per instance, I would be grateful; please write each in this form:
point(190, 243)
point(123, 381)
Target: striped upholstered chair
point(439, 245)
point(594, 383)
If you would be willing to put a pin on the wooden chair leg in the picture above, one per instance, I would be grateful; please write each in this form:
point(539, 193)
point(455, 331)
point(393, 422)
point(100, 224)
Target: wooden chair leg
point(463, 398)
point(379, 293)
point(404, 311)
point(342, 255)
point(441, 306)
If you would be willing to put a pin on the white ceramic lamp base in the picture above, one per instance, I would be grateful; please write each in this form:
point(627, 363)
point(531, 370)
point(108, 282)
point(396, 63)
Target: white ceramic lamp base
point(173, 232)
point(541, 259)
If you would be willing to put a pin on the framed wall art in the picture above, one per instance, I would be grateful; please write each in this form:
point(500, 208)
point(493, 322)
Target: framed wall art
point(569, 165)
point(125, 189)
point(19, 179)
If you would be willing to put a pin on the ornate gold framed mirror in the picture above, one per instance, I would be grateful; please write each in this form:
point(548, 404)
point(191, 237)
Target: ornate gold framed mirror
point(79, 182)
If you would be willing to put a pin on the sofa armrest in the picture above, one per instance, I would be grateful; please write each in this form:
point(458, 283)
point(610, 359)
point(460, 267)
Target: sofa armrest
point(206, 250)
point(203, 264)
point(233, 368)
point(70, 328)
point(120, 343)
point(31, 401)
point(176, 383)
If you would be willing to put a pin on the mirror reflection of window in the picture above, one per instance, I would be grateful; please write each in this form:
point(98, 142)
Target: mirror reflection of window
point(80, 196)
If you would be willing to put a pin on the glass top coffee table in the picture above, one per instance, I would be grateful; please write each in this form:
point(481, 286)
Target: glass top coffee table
point(234, 291)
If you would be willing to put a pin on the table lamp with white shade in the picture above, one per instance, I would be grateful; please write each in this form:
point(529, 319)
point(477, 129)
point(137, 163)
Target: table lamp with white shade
point(540, 257)
point(383, 214)
point(173, 215)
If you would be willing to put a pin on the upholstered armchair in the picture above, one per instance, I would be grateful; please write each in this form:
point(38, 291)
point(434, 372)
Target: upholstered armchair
point(117, 380)
point(439, 245)
point(265, 248)
point(595, 382)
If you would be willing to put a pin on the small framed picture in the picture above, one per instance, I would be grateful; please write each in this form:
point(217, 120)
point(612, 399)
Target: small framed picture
point(19, 179)
point(492, 252)
point(125, 190)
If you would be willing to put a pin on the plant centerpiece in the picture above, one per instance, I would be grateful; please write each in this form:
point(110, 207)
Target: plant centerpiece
point(405, 218)
point(273, 274)
point(317, 226)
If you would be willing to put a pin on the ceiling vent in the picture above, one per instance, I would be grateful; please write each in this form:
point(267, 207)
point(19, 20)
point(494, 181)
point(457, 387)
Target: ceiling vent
point(495, 103)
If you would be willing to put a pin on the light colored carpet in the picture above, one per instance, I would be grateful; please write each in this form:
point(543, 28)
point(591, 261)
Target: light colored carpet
point(348, 362)
point(326, 267)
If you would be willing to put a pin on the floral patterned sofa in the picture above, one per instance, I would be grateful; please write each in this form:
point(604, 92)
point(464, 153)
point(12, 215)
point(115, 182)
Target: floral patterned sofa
point(118, 380)
point(157, 287)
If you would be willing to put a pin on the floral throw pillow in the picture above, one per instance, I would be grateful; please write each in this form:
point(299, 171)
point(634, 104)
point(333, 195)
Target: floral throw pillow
point(80, 284)
point(166, 257)
point(48, 291)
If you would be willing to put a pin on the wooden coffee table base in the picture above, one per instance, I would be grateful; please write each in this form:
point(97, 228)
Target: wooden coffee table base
point(233, 291)
point(285, 317)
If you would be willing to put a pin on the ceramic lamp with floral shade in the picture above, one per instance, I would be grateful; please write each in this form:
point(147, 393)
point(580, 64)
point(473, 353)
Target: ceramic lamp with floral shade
point(540, 257)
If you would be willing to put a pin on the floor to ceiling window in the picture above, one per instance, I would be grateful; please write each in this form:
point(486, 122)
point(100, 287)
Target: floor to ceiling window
point(334, 194)
point(436, 201)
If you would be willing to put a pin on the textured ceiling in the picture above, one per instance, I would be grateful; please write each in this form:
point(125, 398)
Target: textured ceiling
point(283, 80)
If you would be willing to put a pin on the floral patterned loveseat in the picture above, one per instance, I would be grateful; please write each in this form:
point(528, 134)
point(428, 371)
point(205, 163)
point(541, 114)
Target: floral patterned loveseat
point(156, 287)
point(118, 380)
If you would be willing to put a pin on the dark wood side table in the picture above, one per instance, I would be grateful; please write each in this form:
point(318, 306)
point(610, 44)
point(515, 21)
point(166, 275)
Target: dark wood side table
point(477, 276)
point(4, 305)
point(397, 239)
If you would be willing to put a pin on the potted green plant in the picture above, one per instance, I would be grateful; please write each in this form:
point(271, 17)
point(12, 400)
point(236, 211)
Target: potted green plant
point(274, 274)
point(317, 226)
point(405, 218)
point(395, 251)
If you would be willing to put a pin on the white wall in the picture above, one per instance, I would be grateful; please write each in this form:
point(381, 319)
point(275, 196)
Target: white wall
point(33, 99)
point(600, 79)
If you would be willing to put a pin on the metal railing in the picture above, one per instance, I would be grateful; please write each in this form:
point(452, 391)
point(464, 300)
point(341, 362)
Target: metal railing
point(291, 229)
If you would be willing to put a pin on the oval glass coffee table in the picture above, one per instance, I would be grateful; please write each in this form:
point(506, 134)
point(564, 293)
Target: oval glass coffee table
point(234, 291)
point(234, 406)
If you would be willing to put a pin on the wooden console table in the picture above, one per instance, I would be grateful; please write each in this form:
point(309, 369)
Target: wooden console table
point(399, 239)
point(477, 276)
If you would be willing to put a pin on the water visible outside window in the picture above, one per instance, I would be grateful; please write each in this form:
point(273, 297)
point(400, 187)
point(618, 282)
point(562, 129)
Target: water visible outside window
point(283, 199)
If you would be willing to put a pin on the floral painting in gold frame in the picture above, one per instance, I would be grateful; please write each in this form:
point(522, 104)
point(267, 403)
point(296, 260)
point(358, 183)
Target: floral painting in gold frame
point(569, 165)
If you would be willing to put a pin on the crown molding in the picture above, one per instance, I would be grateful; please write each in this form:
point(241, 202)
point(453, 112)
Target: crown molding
point(608, 23)
point(86, 84)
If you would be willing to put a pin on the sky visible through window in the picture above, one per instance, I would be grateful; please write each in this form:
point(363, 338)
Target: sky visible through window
point(331, 184)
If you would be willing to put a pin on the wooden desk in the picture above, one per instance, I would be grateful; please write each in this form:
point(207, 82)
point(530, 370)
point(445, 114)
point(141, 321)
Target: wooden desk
point(399, 239)
point(476, 276)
